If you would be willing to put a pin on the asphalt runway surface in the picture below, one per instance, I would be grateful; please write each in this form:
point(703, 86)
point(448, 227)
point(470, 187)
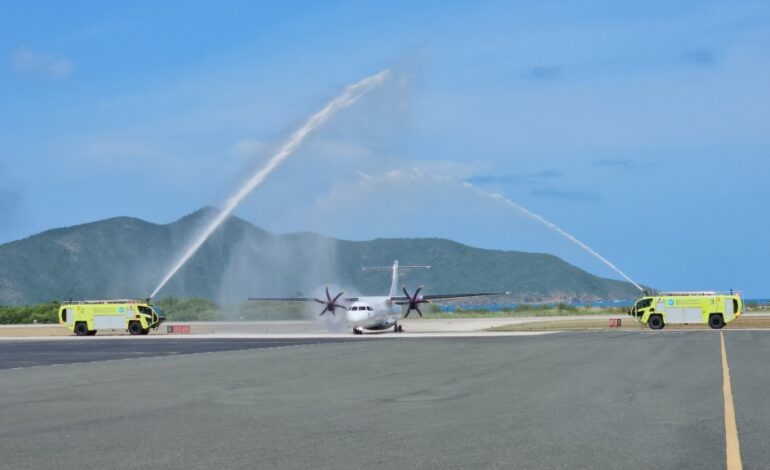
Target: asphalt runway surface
point(21, 353)
point(567, 400)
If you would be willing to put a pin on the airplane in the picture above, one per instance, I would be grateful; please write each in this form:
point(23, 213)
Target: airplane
point(375, 313)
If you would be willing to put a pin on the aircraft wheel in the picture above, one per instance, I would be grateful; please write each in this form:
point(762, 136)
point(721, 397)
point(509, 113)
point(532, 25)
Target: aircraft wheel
point(655, 322)
point(91, 332)
point(716, 321)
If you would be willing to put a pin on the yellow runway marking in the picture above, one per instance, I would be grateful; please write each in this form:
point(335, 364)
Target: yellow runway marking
point(731, 427)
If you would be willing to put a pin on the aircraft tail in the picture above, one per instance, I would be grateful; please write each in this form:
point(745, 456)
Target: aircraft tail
point(394, 276)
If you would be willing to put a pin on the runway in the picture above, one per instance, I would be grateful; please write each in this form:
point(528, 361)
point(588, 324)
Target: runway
point(567, 400)
point(39, 352)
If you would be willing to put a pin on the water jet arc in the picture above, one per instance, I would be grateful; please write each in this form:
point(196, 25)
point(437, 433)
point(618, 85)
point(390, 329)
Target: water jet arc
point(350, 95)
point(552, 226)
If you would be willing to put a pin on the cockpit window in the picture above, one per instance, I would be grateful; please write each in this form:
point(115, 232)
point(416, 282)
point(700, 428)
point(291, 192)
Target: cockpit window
point(354, 308)
point(370, 309)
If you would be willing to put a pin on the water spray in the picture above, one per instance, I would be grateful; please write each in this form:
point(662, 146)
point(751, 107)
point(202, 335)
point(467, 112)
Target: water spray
point(499, 197)
point(349, 96)
point(552, 226)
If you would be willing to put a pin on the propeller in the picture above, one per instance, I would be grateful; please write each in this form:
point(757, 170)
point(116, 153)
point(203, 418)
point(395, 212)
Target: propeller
point(330, 305)
point(414, 302)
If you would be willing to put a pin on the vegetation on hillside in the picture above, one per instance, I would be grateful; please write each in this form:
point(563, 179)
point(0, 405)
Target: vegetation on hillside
point(200, 309)
point(176, 309)
point(192, 309)
point(125, 258)
point(28, 314)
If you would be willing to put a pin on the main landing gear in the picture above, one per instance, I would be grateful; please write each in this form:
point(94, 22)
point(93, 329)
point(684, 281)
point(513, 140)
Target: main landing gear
point(398, 328)
point(358, 331)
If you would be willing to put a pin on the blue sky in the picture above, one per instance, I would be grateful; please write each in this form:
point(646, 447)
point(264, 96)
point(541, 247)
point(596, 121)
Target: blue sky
point(640, 127)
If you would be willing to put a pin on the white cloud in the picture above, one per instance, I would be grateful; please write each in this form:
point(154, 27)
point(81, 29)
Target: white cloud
point(25, 61)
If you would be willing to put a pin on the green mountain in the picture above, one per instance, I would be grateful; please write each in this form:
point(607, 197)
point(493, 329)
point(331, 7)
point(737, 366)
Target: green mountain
point(126, 258)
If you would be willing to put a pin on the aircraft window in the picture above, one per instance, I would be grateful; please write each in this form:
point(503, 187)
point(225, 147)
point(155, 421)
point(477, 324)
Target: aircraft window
point(370, 309)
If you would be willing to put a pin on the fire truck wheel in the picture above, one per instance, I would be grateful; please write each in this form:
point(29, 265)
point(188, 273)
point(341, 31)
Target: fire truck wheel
point(655, 322)
point(716, 321)
point(146, 331)
point(135, 328)
point(91, 332)
point(81, 328)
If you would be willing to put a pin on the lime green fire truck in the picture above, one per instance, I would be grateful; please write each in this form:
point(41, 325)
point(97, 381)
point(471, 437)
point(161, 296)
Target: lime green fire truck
point(679, 308)
point(85, 318)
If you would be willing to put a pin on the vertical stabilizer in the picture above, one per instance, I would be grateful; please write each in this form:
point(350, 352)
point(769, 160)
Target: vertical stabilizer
point(394, 276)
point(394, 280)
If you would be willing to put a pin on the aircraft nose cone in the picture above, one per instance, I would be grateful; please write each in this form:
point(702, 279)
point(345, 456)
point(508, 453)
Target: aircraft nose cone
point(355, 315)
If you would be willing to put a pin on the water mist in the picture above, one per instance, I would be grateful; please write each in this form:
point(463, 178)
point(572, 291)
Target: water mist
point(348, 97)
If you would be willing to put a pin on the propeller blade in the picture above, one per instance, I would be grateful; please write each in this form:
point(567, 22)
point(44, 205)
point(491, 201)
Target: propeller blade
point(417, 292)
point(330, 304)
point(419, 311)
point(406, 293)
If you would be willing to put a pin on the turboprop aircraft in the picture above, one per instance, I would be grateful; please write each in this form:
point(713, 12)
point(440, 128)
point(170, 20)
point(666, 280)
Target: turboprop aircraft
point(375, 313)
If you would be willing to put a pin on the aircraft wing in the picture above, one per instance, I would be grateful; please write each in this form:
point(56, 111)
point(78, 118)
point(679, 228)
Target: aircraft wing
point(442, 296)
point(295, 299)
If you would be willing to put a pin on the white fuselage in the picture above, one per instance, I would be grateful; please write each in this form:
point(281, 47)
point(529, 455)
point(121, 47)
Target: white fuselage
point(373, 313)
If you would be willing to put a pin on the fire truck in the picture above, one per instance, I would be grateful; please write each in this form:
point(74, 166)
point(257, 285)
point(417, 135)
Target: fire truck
point(679, 308)
point(86, 317)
